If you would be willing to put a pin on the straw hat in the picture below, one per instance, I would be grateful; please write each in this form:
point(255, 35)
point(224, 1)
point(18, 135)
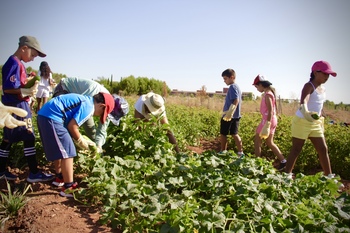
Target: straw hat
point(154, 103)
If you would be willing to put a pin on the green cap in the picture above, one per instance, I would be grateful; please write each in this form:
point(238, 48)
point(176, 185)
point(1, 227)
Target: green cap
point(31, 42)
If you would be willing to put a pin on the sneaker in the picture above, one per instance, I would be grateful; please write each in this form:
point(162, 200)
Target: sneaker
point(39, 177)
point(8, 176)
point(340, 184)
point(58, 182)
point(288, 176)
point(69, 192)
point(241, 156)
point(223, 152)
point(282, 166)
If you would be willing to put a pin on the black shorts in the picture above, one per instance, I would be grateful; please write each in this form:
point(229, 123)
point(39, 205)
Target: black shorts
point(229, 127)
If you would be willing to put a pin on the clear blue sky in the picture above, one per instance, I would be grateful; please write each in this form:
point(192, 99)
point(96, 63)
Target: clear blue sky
point(187, 43)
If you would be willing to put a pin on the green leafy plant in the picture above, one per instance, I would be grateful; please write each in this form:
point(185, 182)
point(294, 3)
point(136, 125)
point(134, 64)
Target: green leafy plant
point(11, 203)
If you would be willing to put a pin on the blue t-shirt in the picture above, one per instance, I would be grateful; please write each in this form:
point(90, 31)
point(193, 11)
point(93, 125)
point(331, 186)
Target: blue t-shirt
point(234, 92)
point(14, 76)
point(64, 108)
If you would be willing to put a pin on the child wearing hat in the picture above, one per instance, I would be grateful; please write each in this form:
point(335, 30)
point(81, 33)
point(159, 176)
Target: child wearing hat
point(308, 123)
point(15, 94)
point(89, 87)
point(268, 124)
point(58, 123)
point(152, 104)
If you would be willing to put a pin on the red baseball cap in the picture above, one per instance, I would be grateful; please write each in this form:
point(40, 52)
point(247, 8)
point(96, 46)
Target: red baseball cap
point(260, 79)
point(109, 102)
point(324, 67)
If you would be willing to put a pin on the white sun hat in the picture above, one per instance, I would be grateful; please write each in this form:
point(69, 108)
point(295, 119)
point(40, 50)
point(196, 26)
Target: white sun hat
point(154, 103)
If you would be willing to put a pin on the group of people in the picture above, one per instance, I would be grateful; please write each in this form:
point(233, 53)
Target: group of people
point(75, 102)
point(306, 124)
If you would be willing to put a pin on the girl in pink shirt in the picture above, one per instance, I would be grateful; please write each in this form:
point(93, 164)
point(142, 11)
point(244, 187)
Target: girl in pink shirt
point(268, 124)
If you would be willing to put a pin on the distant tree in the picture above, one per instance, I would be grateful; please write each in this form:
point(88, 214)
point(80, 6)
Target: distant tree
point(129, 85)
point(156, 85)
point(329, 104)
point(105, 82)
point(143, 85)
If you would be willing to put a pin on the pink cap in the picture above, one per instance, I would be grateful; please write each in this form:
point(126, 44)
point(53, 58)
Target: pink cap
point(324, 67)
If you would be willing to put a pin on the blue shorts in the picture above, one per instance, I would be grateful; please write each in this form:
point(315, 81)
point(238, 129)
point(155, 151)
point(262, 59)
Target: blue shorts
point(229, 127)
point(57, 142)
point(20, 133)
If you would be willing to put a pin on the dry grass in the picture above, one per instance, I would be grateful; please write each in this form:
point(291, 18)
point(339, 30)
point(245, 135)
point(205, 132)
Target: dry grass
point(216, 103)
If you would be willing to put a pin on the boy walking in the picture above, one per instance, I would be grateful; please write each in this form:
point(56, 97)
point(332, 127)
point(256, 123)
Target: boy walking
point(14, 78)
point(231, 113)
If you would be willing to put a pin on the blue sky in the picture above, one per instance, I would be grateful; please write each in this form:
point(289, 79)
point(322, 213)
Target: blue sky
point(187, 43)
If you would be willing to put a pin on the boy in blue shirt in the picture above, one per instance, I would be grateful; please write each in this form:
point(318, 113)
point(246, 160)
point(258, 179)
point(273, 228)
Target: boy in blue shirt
point(231, 113)
point(58, 123)
point(14, 78)
point(89, 87)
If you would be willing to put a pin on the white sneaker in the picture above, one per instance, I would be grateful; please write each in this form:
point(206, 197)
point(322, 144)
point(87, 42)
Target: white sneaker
point(340, 184)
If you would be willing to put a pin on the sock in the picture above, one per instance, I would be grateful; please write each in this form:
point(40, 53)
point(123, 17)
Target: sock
point(59, 175)
point(3, 159)
point(284, 161)
point(68, 185)
point(32, 164)
point(240, 153)
point(4, 154)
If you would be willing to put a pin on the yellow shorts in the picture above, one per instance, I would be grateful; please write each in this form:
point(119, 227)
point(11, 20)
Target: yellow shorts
point(303, 129)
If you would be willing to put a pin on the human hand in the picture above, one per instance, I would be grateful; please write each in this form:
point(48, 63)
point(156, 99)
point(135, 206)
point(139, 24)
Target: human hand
point(229, 113)
point(84, 142)
point(99, 149)
point(309, 116)
point(6, 118)
point(265, 131)
point(30, 91)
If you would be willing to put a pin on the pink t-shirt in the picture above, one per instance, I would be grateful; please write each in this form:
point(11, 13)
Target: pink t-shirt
point(265, 111)
point(263, 107)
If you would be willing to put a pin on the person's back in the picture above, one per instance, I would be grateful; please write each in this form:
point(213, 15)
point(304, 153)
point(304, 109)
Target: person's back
point(83, 86)
point(91, 88)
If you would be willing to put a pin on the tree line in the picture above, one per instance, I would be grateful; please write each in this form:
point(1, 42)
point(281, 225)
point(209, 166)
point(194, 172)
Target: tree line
point(125, 86)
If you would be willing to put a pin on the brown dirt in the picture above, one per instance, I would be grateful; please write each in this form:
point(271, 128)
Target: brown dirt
point(47, 212)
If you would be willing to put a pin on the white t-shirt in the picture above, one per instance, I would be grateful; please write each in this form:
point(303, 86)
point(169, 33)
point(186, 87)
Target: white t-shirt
point(44, 87)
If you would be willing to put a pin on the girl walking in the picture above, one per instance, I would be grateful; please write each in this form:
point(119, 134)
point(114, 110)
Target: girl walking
point(268, 124)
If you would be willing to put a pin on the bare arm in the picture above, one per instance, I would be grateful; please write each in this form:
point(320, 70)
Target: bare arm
point(13, 91)
point(170, 134)
point(138, 115)
point(305, 93)
point(268, 101)
point(73, 129)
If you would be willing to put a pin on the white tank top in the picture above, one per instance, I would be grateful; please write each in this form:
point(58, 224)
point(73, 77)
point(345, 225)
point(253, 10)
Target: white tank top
point(316, 100)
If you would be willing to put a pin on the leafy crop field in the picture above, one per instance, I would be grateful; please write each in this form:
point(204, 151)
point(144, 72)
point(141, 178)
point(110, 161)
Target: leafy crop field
point(142, 185)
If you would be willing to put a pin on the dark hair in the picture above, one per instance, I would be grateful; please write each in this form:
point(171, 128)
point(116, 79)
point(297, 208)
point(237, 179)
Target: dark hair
point(312, 76)
point(267, 84)
point(228, 73)
point(44, 69)
point(98, 98)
